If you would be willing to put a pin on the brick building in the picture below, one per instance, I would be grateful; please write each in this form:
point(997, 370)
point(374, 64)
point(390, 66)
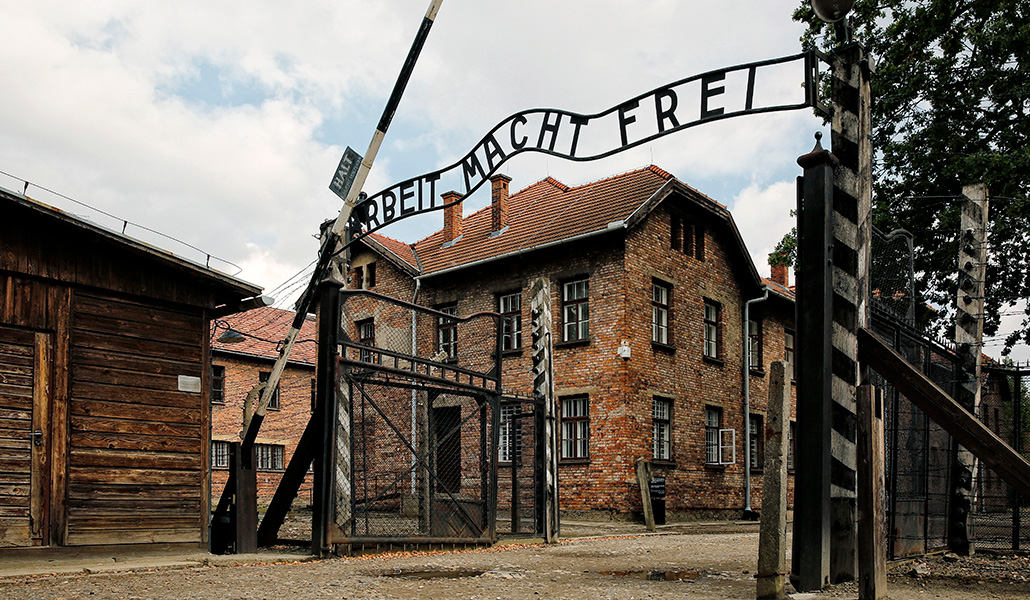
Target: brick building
point(639, 261)
point(236, 367)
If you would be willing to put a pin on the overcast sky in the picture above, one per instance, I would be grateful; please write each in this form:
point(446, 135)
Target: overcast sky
point(221, 123)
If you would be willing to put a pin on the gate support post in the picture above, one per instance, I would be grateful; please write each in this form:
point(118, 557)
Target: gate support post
point(852, 228)
point(543, 389)
point(969, 323)
point(333, 443)
point(810, 564)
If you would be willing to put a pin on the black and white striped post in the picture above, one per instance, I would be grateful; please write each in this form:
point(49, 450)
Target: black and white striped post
point(834, 230)
point(548, 516)
point(852, 229)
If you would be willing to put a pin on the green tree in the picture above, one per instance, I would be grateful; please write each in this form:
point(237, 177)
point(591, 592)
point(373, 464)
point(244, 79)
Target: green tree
point(785, 254)
point(951, 96)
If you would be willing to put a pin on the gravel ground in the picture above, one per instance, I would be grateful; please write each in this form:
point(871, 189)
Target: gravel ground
point(694, 565)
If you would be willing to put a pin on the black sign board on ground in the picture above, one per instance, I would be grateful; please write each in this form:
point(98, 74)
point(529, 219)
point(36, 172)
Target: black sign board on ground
point(657, 488)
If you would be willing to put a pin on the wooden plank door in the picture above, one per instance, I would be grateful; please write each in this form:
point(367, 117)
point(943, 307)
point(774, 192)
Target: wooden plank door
point(24, 437)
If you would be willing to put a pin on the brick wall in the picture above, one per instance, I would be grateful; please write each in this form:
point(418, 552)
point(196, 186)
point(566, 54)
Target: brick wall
point(620, 267)
point(280, 427)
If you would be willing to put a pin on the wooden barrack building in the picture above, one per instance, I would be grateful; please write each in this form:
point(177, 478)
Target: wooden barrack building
point(104, 391)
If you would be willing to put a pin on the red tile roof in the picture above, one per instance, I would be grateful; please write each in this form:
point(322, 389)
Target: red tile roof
point(265, 327)
point(547, 211)
point(400, 250)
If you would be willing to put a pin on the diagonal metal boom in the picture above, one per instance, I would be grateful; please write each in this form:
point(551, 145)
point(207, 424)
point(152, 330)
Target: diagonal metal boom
point(331, 241)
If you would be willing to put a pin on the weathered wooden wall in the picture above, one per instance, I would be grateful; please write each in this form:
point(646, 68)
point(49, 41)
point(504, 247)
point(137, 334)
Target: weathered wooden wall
point(137, 445)
point(35, 244)
point(127, 449)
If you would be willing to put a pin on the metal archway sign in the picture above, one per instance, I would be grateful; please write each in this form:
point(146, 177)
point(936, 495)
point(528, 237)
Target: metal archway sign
point(695, 100)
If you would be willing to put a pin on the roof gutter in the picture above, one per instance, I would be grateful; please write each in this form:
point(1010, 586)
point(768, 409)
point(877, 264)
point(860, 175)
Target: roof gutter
point(262, 357)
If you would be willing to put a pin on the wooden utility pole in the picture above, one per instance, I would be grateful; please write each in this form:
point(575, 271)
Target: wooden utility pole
point(872, 500)
point(969, 324)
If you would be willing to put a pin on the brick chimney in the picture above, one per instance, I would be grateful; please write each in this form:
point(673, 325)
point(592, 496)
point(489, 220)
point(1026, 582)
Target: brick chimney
point(778, 273)
point(451, 216)
point(499, 202)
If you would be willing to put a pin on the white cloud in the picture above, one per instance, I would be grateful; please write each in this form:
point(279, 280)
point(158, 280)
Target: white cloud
point(763, 217)
point(101, 103)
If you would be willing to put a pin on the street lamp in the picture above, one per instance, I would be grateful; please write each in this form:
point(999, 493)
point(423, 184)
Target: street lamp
point(832, 11)
point(230, 335)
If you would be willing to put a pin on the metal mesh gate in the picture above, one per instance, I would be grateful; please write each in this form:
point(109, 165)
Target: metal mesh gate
point(918, 452)
point(1002, 515)
point(917, 449)
point(519, 467)
point(416, 436)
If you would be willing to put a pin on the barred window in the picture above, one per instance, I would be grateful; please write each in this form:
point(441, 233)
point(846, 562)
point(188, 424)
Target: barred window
point(575, 427)
point(713, 424)
point(367, 337)
point(219, 455)
point(510, 307)
point(576, 310)
point(791, 445)
point(661, 428)
point(720, 443)
point(756, 447)
point(511, 434)
point(269, 457)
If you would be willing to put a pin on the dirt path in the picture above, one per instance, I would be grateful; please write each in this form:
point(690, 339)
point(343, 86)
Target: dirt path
point(701, 566)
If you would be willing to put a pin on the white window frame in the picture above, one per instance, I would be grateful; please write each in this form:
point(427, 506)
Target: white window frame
point(269, 457)
point(511, 434)
point(661, 303)
point(219, 454)
point(727, 446)
point(575, 429)
point(661, 428)
point(756, 439)
point(510, 307)
point(711, 328)
point(576, 310)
